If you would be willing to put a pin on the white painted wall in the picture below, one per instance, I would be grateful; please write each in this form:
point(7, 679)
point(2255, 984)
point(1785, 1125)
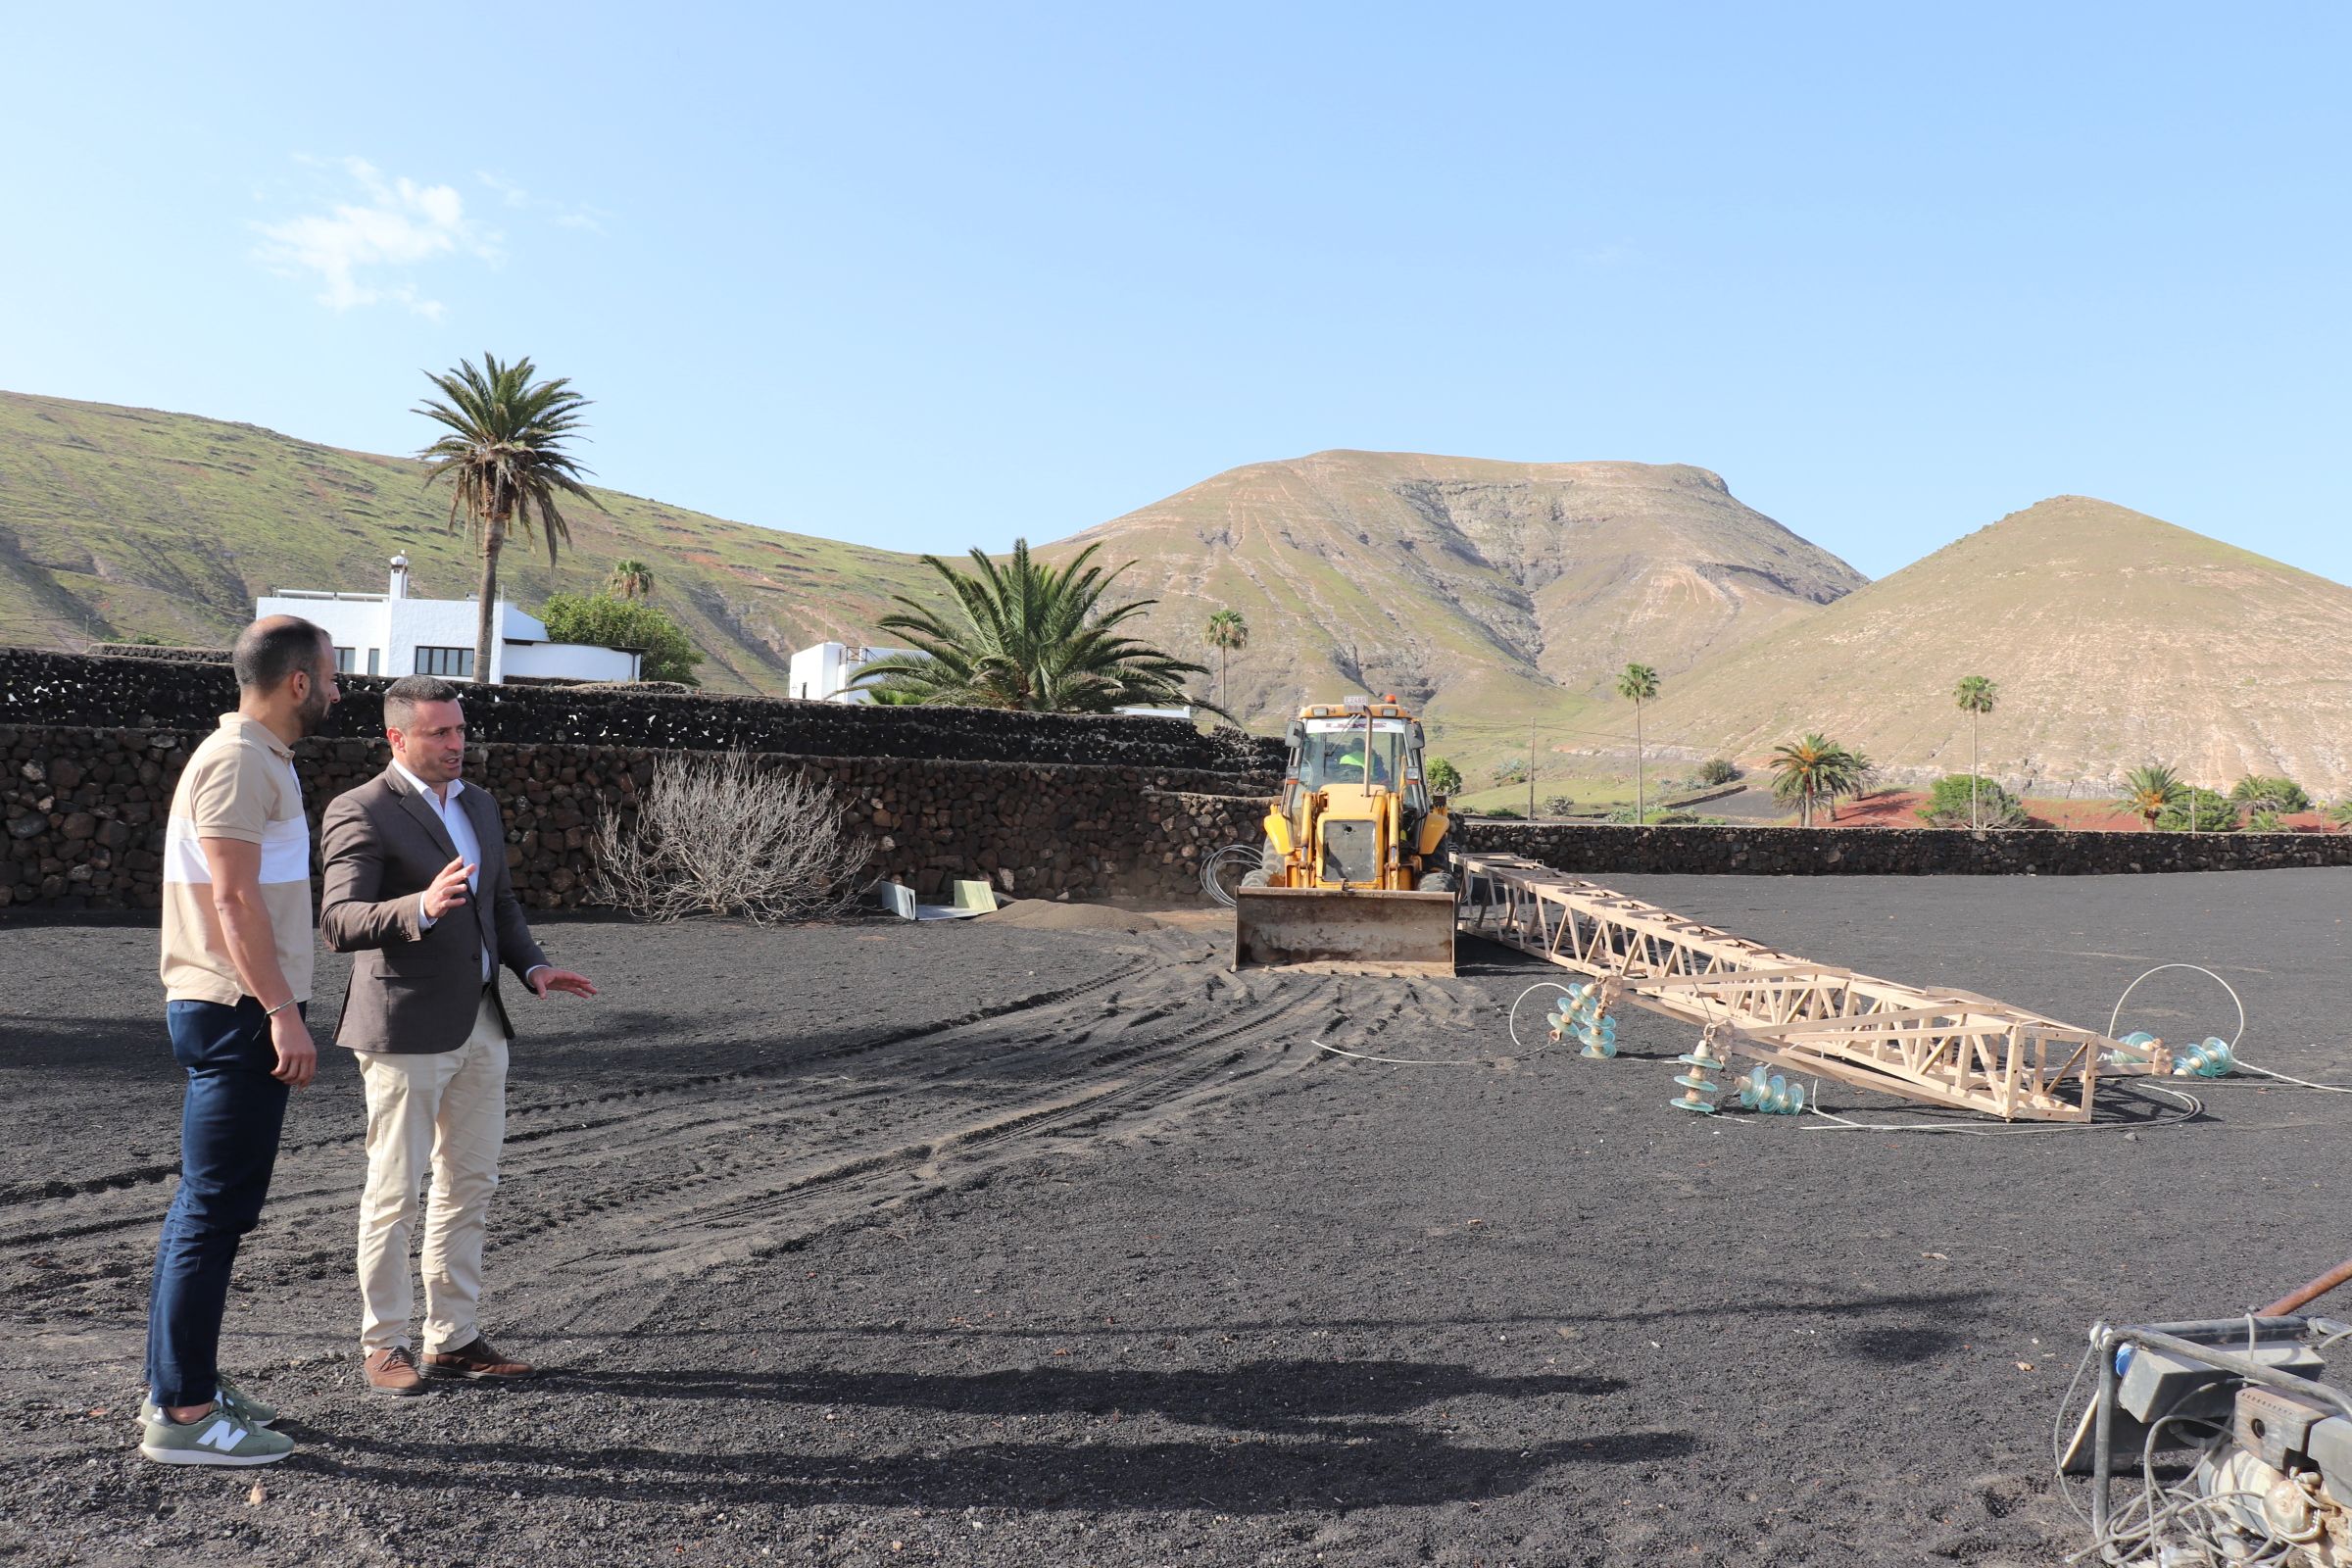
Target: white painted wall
point(822, 673)
point(568, 662)
point(358, 622)
point(384, 632)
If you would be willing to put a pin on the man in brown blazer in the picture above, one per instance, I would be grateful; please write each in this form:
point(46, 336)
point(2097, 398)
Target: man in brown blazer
point(416, 885)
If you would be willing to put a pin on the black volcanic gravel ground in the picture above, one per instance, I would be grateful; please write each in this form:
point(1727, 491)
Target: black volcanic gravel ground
point(970, 1244)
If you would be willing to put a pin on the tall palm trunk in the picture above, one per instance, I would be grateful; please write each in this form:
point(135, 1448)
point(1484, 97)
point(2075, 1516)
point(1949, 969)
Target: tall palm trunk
point(485, 625)
point(1974, 819)
point(1222, 651)
point(1641, 771)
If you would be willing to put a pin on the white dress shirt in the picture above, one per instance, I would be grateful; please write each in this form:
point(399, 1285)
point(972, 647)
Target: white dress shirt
point(459, 824)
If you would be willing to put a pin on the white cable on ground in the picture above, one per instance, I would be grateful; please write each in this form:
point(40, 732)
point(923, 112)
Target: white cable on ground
point(1414, 1062)
point(2299, 1083)
point(2237, 1060)
point(2191, 1107)
point(1510, 1021)
point(2118, 1013)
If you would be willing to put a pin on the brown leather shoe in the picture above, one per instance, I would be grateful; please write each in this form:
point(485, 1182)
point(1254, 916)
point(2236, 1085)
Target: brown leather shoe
point(478, 1362)
point(393, 1372)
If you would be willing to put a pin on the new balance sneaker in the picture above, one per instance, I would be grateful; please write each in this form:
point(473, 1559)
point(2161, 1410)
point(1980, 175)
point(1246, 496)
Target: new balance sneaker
point(243, 1403)
point(232, 1399)
point(215, 1437)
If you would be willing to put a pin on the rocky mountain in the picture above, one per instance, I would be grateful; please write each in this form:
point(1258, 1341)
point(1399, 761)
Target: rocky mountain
point(1486, 591)
point(2116, 639)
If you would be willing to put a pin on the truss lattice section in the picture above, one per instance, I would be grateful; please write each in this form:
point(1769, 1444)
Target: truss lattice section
point(1945, 1048)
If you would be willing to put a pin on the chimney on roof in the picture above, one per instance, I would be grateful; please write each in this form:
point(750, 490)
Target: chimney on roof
point(400, 576)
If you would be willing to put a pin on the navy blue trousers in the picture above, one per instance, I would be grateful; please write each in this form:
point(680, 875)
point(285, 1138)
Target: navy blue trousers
point(228, 1130)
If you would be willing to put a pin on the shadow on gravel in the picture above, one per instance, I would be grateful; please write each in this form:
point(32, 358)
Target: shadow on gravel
point(1899, 1346)
point(1291, 1396)
point(1743, 1309)
point(1291, 1434)
point(128, 1046)
point(1392, 1468)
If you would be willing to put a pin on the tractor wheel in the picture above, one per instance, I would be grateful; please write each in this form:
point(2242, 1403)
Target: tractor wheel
point(1437, 882)
point(1260, 878)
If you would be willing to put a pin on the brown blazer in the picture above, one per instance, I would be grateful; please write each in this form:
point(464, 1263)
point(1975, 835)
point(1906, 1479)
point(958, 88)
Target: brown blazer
point(414, 990)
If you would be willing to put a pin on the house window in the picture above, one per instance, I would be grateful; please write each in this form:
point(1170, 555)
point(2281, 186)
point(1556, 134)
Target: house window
point(376, 659)
point(458, 662)
point(347, 660)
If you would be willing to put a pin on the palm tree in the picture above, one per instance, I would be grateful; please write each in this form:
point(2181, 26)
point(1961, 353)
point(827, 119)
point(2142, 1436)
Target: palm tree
point(1028, 635)
point(632, 579)
point(1861, 775)
point(506, 458)
point(2147, 790)
point(1815, 768)
point(2268, 792)
point(1975, 695)
point(1639, 684)
point(1228, 634)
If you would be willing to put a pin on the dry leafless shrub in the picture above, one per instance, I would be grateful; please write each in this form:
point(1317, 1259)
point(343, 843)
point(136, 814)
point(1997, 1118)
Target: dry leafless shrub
point(716, 836)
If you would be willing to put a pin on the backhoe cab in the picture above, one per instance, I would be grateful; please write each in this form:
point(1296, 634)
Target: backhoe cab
point(1355, 874)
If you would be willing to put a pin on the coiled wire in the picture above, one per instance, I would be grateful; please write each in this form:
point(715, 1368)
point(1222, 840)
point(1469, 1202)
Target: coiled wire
point(1234, 859)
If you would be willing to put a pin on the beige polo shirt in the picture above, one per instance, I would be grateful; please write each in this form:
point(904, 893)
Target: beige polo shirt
point(239, 785)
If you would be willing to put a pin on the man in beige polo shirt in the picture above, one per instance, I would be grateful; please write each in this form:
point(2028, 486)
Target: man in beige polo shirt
point(237, 974)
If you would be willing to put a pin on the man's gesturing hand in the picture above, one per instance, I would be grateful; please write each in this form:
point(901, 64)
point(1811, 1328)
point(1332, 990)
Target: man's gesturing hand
point(448, 890)
point(547, 977)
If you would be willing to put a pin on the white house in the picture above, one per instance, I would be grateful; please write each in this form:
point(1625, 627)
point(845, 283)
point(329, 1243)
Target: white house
point(393, 634)
point(822, 673)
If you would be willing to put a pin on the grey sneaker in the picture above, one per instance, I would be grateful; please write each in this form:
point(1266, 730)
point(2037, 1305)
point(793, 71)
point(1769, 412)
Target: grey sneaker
point(215, 1438)
point(232, 1399)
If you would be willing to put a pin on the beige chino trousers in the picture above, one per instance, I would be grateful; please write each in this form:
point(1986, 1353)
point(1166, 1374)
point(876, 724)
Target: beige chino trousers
point(442, 1113)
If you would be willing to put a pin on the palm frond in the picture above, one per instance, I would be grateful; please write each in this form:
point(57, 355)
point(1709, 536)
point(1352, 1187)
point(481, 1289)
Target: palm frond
point(1021, 633)
point(504, 451)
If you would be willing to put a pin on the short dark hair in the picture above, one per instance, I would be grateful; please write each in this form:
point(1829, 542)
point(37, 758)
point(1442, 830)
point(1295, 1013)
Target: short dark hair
point(271, 650)
point(402, 695)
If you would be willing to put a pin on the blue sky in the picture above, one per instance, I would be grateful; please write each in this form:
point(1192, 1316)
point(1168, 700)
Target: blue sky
point(930, 277)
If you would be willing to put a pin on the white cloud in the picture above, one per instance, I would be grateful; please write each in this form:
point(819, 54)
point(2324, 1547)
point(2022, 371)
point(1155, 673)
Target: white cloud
point(363, 251)
point(566, 215)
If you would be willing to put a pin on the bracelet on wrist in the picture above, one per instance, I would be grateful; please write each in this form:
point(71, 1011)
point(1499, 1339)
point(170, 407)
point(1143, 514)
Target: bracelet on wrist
point(271, 1012)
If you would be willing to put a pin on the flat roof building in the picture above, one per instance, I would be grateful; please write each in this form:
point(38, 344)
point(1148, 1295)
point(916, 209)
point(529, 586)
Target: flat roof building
point(394, 634)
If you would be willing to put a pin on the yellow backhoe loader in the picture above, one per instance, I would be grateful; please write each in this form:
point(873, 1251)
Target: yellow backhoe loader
point(1355, 876)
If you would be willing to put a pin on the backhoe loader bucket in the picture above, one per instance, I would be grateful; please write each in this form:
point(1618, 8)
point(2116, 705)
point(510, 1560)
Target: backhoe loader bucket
point(1356, 931)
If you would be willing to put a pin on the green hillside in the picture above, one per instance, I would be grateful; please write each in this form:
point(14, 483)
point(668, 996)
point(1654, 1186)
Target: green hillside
point(1491, 592)
point(119, 522)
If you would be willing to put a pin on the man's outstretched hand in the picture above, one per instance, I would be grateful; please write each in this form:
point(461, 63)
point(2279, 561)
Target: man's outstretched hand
point(549, 978)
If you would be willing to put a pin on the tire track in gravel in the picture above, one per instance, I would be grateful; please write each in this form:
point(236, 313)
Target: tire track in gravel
point(24, 1193)
point(939, 1129)
point(316, 1175)
point(606, 1196)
